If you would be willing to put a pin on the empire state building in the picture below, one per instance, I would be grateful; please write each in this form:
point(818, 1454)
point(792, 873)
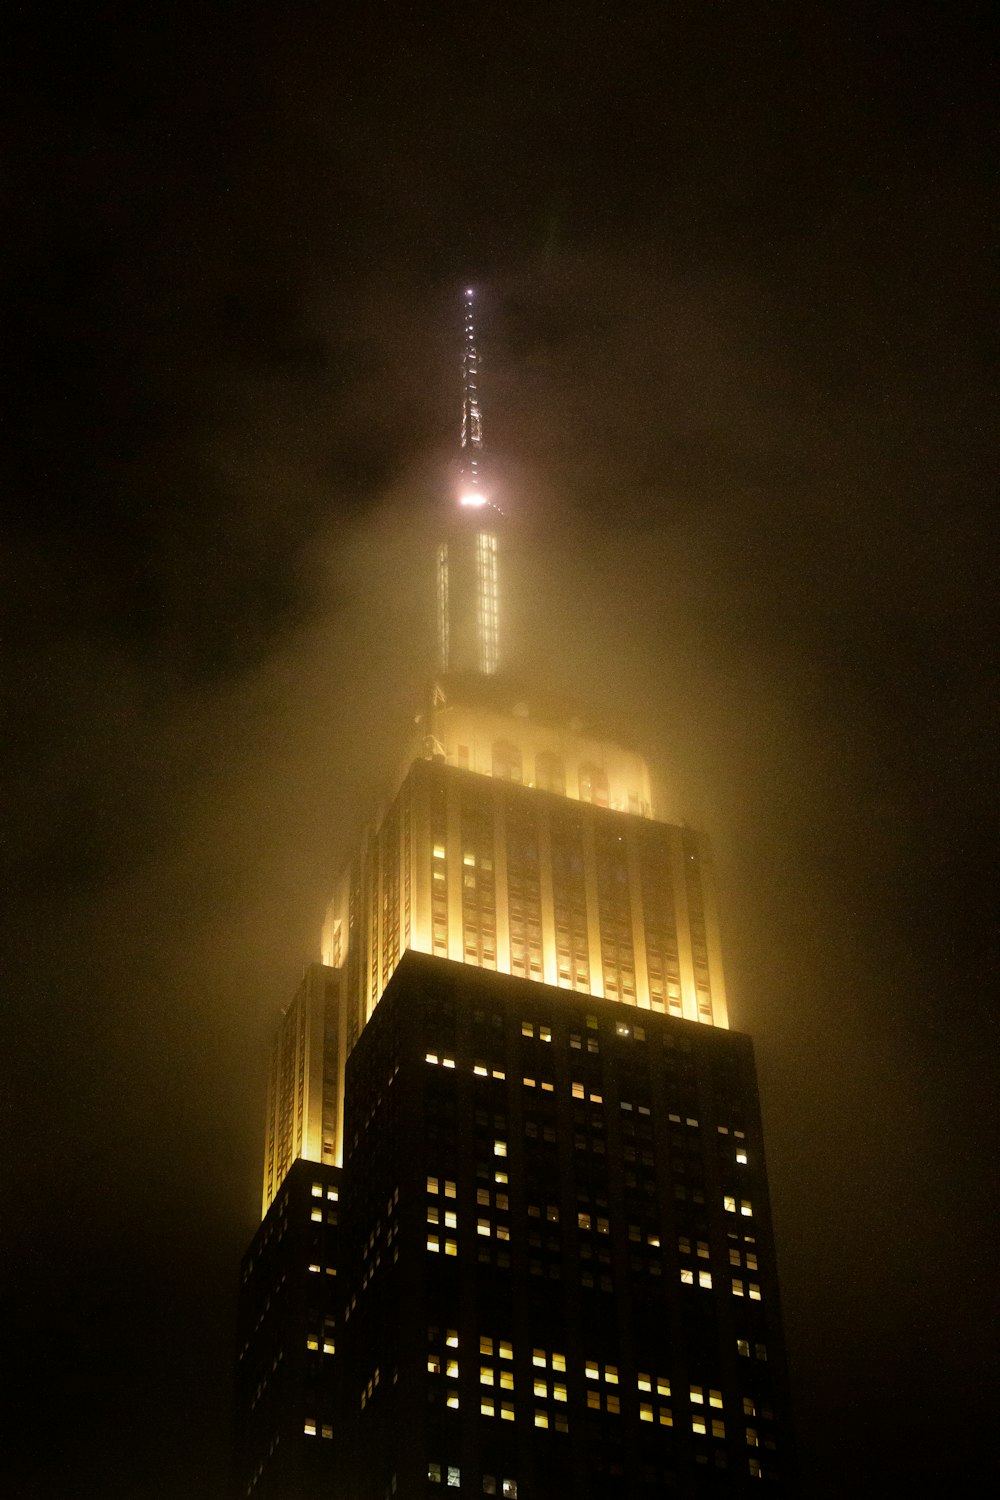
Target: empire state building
point(516, 1237)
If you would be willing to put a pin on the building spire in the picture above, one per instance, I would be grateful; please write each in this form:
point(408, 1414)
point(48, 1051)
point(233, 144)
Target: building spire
point(472, 421)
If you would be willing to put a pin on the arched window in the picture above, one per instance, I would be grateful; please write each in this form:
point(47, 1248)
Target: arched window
point(506, 761)
point(550, 773)
point(593, 784)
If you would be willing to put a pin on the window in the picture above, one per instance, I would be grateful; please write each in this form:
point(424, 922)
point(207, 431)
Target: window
point(593, 784)
point(309, 1427)
point(434, 1473)
point(454, 1477)
point(506, 761)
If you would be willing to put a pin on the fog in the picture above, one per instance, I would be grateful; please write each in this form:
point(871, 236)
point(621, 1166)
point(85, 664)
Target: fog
point(735, 416)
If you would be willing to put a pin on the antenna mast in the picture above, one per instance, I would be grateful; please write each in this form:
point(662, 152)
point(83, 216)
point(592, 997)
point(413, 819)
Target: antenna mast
point(472, 421)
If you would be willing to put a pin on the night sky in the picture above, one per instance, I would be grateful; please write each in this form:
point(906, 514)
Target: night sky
point(732, 265)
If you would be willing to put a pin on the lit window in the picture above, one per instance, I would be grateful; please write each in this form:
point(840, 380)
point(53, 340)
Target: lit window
point(313, 1266)
point(480, 1070)
point(430, 1057)
point(312, 1343)
point(715, 1398)
point(749, 1407)
point(434, 1364)
point(499, 1148)
point(433, 1244)
point(486, 1409)
point(752, 1439)
point(754, 1466)
point(317, 1190)
point(705, 1278)
point(697, 1395)
point(558, 1361)
point(540, 1388)
point(541, 1417)
point(447, 1062)
point(666, 1417)
point(743, 1347)
point(450, 1220)
point(454, 1477)
point(741, 1157)
point(329, 1347)
point(433, 1214)
point(485, 1346)
point(729, 1204)
point(718, 1428)
point(538, 1358)
point(746, 1209)
point(432, 1184)
point(506, 1351)
point(645, 1384)
point(326, 1431)
point(529, 1083)
point(510, 1489)
point(645, 1412)
point(507, 1415)
point(451, 1369)
point(611, 1374)
point(662, 1385)
point(527, 1028)
point(449, 1189)
point(559, 1393)
point(613, 1404)
point(452, 1400)
point(451, 1339)
point(439, 851)
point(483, 1227)
point(592, 1370)
point(545, 1033)
point(698, 1424)
point(450, 1247)
point(754, 1290)
point(687, 1276)
point(506, 1380)
point(309, 1427)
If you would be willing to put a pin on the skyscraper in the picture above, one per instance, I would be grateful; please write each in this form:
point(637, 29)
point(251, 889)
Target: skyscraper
point(516, 1236)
